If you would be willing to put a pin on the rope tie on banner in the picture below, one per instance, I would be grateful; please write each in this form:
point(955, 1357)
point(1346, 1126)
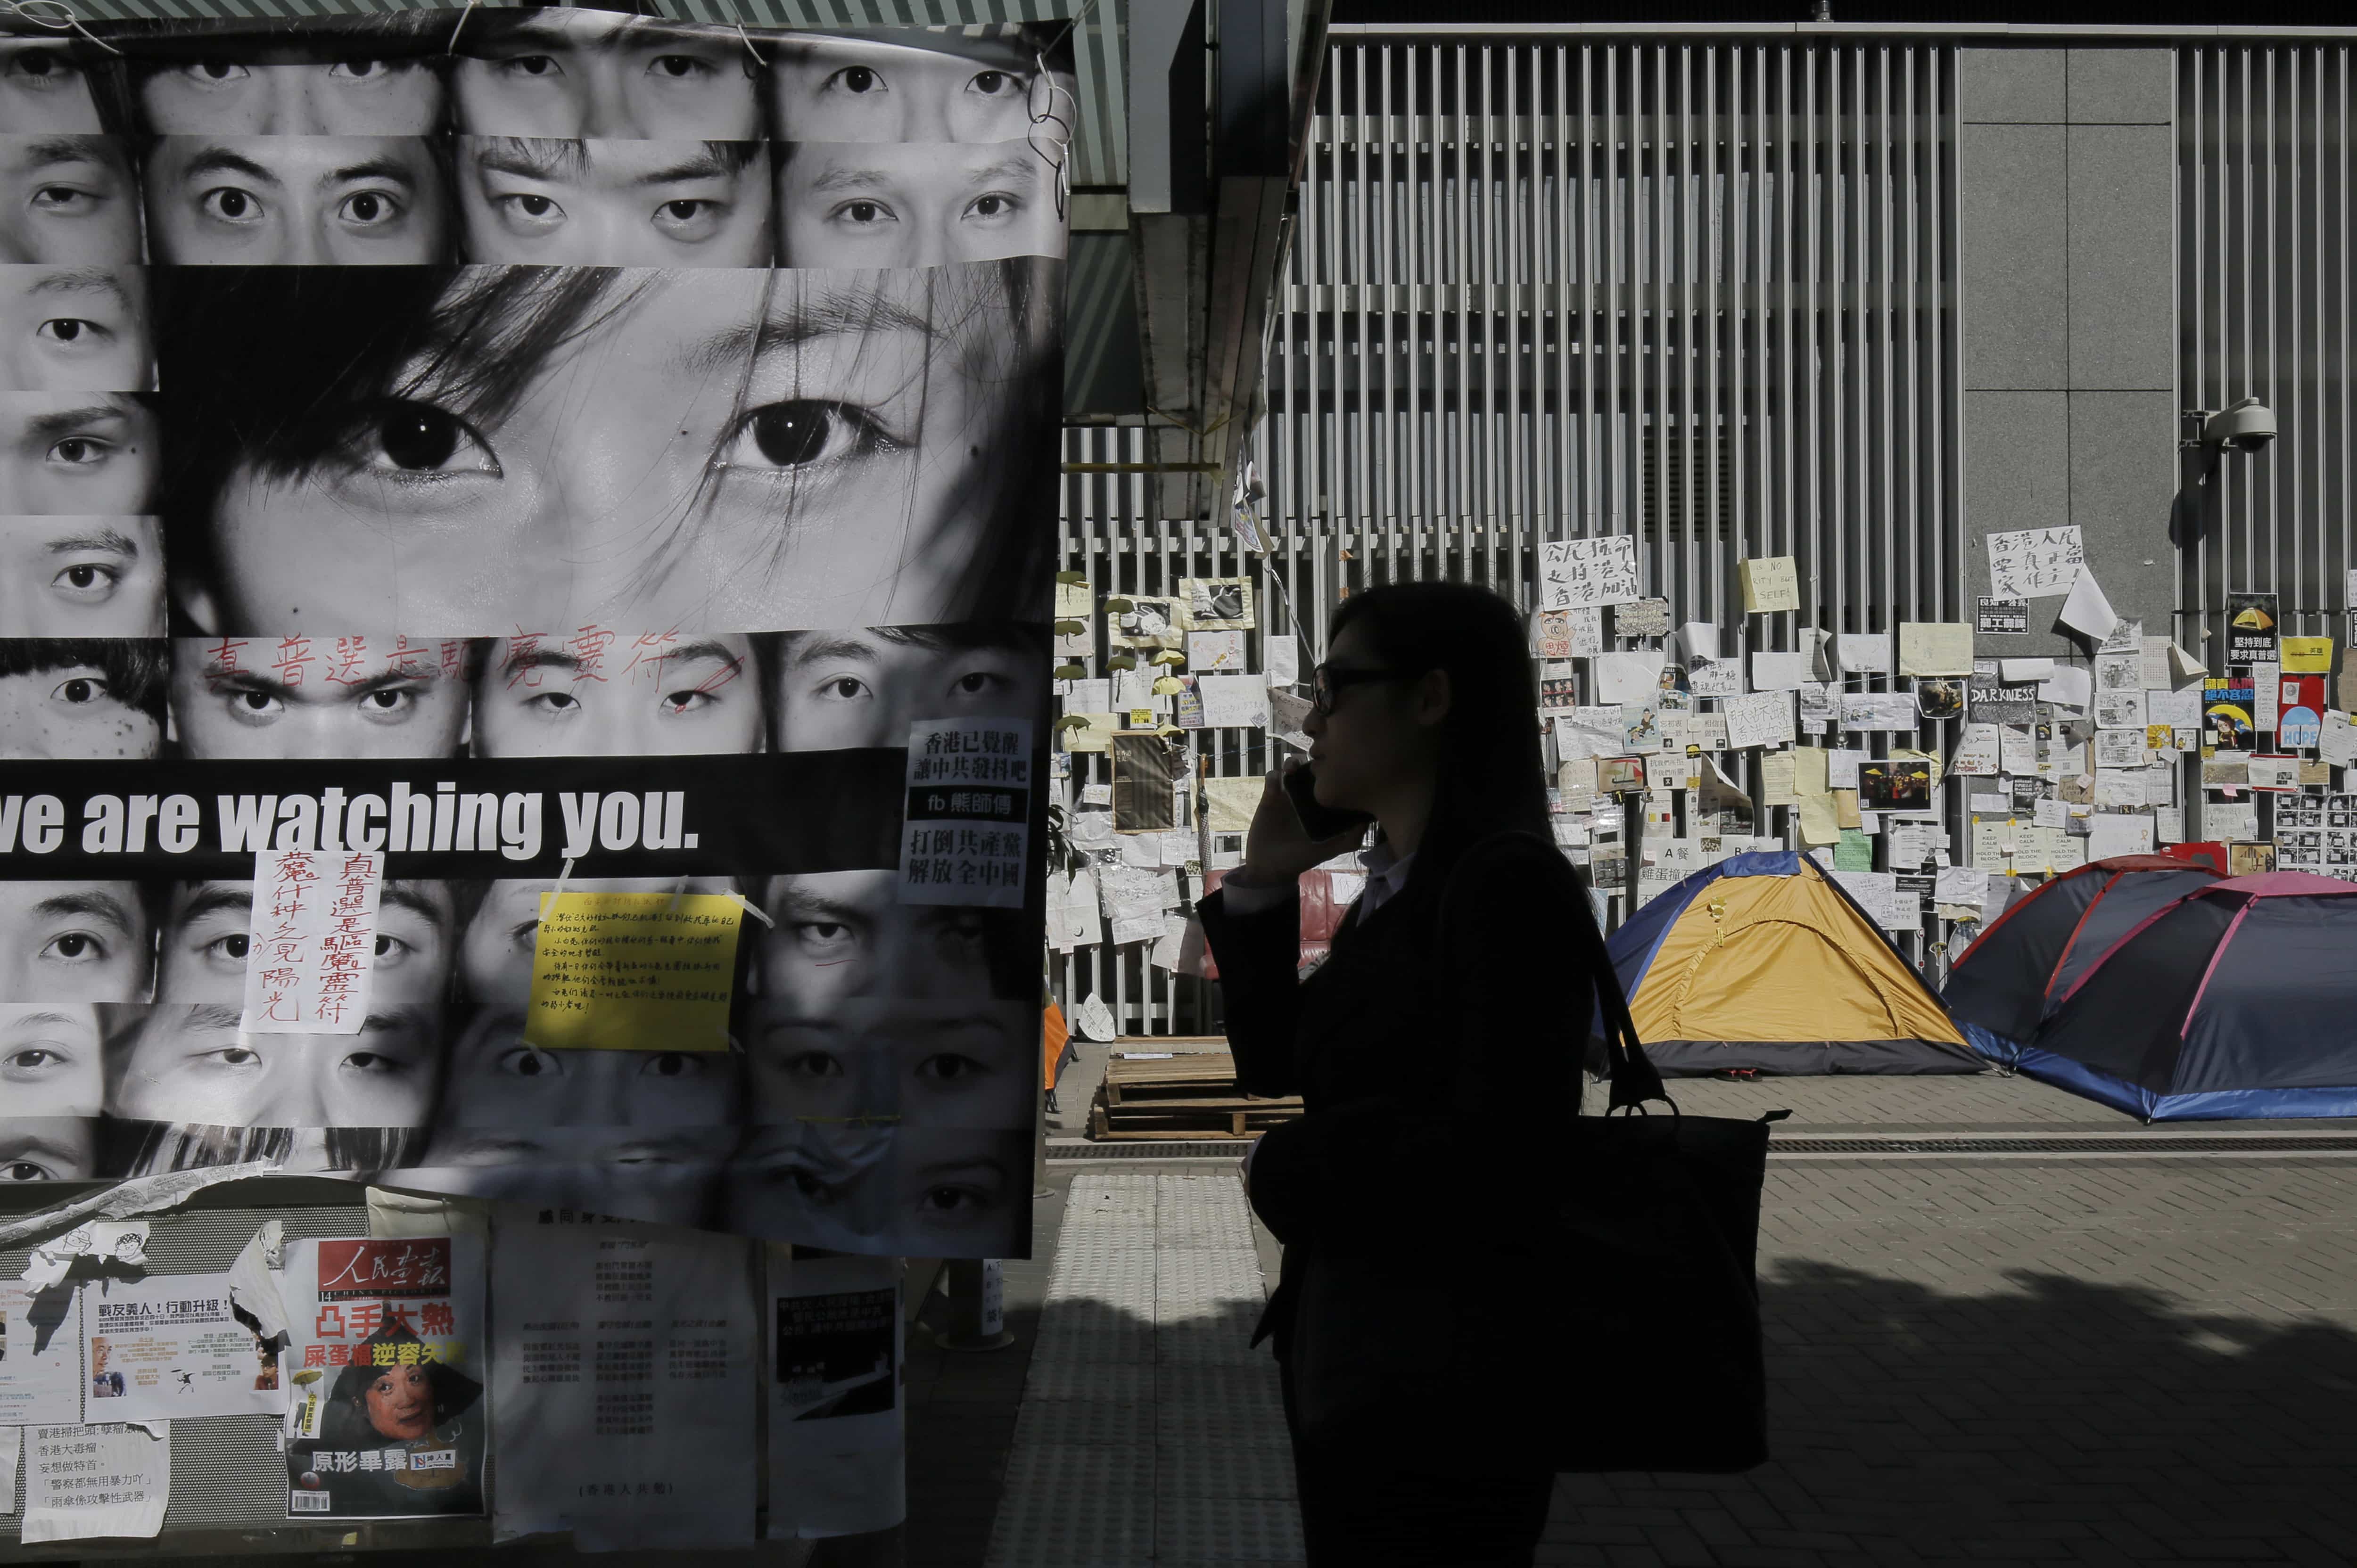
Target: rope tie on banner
point(1056, 153)
point(56, 16)
point(747, 39)
point(753, 909)
point(452, 47)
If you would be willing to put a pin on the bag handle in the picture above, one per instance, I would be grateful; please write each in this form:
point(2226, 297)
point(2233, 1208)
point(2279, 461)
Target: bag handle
point(1633, 1079)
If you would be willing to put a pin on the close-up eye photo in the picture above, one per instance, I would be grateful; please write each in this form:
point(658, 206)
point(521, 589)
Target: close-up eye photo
point(614, 202)
point(74, 328)
point(81, 576)
point(883, 204)
point(285, 200)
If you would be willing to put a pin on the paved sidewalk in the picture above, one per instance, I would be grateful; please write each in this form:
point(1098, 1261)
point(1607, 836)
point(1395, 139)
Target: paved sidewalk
point(1150, 1433)
point(2126, 1361)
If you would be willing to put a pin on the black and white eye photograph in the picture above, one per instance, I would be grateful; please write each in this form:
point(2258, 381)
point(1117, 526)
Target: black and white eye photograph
point(548, 201)
point(68, 577)
point(915, 204)
point(72, 329)
point(471, 451)
point(286, 201)
point(604, 75)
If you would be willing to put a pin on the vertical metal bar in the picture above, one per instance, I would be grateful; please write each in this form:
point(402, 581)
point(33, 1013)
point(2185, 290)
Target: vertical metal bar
point(1510, 194)
point(1617, 286)
point(1590, 498)
point(1657, 312)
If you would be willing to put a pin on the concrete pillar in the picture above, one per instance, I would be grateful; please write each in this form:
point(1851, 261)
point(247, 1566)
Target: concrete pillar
point(2066, 185)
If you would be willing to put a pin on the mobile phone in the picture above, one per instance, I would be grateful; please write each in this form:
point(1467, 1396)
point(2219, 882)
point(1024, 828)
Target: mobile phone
point(1319, 821)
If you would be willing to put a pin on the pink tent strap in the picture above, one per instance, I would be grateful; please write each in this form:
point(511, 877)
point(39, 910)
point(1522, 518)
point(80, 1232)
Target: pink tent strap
point(2280, 885)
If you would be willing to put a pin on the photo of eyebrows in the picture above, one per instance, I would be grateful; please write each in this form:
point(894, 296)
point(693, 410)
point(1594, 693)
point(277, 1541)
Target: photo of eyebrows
point(914, 204)
point(203, 936)
point(597, 693)
point(958, 88)
point(81, 576)
point(468, 451)
point(614, 203)
point(837, 935)
point(297, 200)
point(865, 685)
point(74, 330)
point(78, 453)
point(190, 1063)
point(68, 200)
point(50, 1062)
point(913, 1063)
point(862, 1187)
point(48, 1148)
point(603, 74)
point(45, 86)
point(319, 697)
point(76, 941)
point(249, 88)
point(81, 698)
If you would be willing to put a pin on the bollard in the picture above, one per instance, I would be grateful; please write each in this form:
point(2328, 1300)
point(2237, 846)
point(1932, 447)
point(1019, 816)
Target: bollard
point(977, 1293)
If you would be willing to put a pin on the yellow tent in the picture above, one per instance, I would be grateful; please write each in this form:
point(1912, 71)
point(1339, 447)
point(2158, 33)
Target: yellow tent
point(1761, 963)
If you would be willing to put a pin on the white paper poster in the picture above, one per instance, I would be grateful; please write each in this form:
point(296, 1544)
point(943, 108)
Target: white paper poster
point(169, 1347)
point(1864, 653)
point(836, 1410)
point(40, 1357)
point(85, 1482)
point(1630, 677)
point(967, 837)
point(1763, 718)
point(311, 941)
point(1238, 701)
point(1879, 711)
point(1585, 572)
point(2087, 611)
point(1216, 653)
point(1782, 672)
point(2110, 833)
point(1979, 751)
point(622, 1370)
point(2034, 563)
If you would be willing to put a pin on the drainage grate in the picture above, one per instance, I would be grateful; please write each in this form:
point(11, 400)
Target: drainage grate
point(2125, 1145)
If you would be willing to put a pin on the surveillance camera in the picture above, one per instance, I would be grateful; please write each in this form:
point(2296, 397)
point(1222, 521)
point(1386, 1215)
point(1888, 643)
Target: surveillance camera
point(2244, 426)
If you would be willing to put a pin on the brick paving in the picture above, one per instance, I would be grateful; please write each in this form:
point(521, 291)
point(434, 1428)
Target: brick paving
point(2122, 1361)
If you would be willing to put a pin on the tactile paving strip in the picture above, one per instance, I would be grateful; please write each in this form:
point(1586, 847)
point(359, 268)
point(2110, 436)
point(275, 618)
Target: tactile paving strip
point(1102, 1382)
point(1218, 1530)
point(1077, 1421)
point(1225, 1470)
point(1144, 1349)
point(1135, 1343)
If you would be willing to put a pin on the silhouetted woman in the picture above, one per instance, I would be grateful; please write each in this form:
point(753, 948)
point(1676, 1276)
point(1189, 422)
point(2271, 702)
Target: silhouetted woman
point(1437, 1052)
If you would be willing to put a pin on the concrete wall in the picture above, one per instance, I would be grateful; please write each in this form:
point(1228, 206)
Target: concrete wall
point(2066, 182)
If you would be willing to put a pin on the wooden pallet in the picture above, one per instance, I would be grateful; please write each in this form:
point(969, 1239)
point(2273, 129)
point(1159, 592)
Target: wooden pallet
point(1191, 1096)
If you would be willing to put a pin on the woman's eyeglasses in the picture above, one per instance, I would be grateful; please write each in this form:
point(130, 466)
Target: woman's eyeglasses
point(1329, 684)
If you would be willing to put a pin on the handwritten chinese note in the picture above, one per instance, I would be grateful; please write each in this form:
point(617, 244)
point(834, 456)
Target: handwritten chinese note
point(1579, 573)
point(967, 839)
point(612, 970)
point(2035, 563)
point(311, 941)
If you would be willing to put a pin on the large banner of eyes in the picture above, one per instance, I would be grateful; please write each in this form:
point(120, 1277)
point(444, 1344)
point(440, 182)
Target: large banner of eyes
point(523, 632)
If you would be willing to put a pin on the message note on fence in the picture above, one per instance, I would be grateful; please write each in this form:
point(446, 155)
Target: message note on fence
point(622, 971)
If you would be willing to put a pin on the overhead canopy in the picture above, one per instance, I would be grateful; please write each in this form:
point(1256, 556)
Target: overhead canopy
point(2237, 998)
point(2006, 983)
point(1761, 963)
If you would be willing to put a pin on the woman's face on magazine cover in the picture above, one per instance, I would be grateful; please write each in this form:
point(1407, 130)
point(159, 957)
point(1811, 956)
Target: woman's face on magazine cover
point(401, 1403)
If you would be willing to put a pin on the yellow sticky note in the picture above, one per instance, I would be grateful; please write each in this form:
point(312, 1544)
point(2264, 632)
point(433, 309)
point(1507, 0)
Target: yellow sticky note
point(1770, 582)
point(1819, 825)
point(1846, 809)
point(1233, 801)
point(1776, 779)
point(1935, 648)
point(1094, 735)
point(633, 972)
point(2306, 655)
point(1809, 765)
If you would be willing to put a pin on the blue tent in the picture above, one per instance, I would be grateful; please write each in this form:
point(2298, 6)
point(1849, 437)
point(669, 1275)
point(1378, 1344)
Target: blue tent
point(2238, 998)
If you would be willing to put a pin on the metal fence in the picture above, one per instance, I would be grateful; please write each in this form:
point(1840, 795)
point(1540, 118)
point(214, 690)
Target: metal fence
point(1699, 293)
point(2264, 205)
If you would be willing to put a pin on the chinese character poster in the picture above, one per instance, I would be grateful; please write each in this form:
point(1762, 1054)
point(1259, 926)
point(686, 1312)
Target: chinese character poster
point(478, 465)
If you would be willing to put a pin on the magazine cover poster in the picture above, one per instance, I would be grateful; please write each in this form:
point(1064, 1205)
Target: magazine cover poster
point(389, 1411)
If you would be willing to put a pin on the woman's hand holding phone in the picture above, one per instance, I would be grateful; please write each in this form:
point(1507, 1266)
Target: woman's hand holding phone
point(1279, 849)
